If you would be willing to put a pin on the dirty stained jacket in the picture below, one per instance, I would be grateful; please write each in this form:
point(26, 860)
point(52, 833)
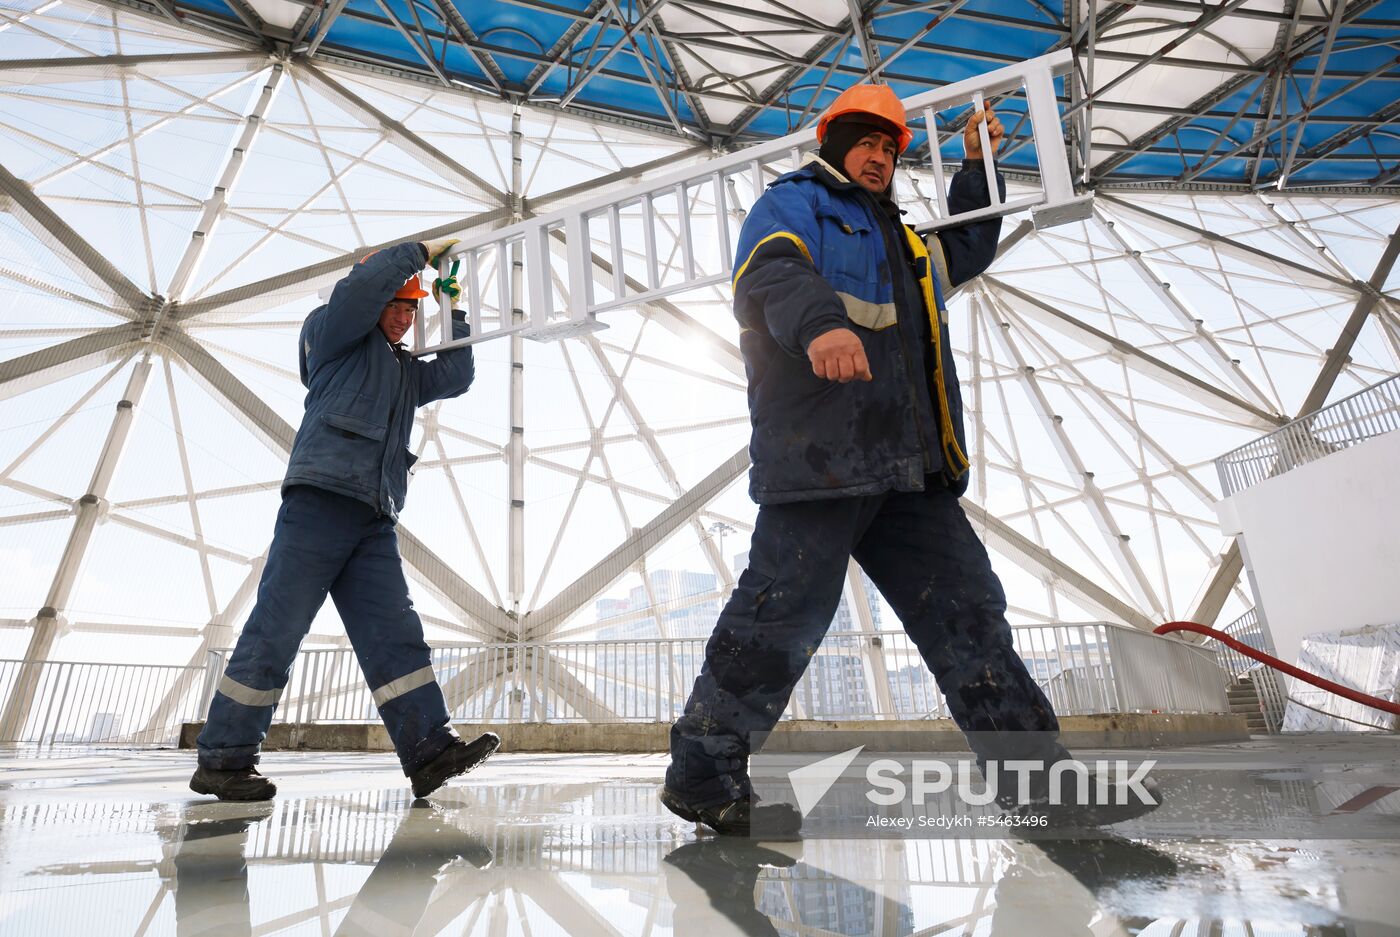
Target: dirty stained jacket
point(818, 253)
point(362, 391)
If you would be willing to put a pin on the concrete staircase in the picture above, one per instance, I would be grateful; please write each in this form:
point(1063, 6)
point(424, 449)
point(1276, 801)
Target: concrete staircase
point(1244, 700)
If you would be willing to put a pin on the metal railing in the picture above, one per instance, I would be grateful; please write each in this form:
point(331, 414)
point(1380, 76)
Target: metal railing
point(677, 232)
point(1084, 668)
point(91, 703)
point(1348, 422)
point(1273, 700)
point(1246, 629)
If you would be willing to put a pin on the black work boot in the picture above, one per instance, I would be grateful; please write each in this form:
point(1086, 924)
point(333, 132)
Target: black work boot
point(238, 784)
point(457, 758)
point(741, 817)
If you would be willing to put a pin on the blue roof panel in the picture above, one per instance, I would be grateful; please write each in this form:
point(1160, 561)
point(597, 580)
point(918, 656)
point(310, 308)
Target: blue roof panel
point(520, 39)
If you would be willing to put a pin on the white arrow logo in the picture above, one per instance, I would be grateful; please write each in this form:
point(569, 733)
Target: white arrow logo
point(810, 783)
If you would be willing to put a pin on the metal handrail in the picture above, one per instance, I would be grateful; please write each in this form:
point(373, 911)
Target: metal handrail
point(1366, 414)
point(1331, 686)
point(87, 702)
point(853, 675)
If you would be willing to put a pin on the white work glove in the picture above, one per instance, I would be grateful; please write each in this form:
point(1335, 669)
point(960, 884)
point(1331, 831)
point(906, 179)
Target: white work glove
point(437, 248)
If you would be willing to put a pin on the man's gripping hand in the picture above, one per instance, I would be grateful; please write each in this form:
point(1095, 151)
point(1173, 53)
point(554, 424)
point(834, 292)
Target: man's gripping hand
point(838, 355)
point(437, 248)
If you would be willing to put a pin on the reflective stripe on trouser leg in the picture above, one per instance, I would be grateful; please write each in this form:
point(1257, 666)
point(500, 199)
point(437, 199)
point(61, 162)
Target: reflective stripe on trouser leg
point(396, 688)
point(372, 597)
point(241, 693)
point(315, 533)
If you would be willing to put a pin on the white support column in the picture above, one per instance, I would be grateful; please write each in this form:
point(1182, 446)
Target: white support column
point(515, 448)
point(49, 624)
point(213, 207)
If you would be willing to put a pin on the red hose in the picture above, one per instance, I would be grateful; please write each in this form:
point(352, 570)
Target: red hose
point(1355, 696)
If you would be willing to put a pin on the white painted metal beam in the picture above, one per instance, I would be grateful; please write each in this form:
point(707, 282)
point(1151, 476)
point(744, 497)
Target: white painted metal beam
point(49, 623)
point(54, 233)
point(1226, 367)
point(540, 622)
point(1149, 365)
point(411, 143)
point(213, 208)
point(1066, 580)
point(67, 70)
point(1238, 249)
point(1079, 475)
point(47, 365)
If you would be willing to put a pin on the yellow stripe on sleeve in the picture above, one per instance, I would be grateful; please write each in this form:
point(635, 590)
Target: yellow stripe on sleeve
point(777, 234)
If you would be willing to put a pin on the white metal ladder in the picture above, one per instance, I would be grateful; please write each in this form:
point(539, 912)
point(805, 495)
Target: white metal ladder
point(606, 253)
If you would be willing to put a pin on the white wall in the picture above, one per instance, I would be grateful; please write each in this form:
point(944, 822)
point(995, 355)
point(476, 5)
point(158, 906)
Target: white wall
point(1323, 542)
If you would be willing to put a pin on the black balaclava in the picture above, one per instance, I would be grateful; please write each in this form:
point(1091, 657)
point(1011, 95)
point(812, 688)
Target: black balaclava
point(843, 133)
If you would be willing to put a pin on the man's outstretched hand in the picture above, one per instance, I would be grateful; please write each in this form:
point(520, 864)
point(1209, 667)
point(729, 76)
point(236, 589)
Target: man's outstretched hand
point(838, 355)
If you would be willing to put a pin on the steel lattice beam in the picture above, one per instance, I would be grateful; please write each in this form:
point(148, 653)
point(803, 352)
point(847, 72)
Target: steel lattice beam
point(420, 149)
point(828, 37)
point(1282, 59)
point(1151, 366)
point(54, 233)
point(1066, 580)
point(47, 365)
point(608, 570)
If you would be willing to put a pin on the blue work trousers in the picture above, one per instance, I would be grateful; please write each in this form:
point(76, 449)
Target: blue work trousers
point(329, 543)
point(922, 553)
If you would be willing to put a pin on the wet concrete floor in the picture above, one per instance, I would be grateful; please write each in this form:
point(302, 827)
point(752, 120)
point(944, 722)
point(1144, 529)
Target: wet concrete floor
point(103, 841)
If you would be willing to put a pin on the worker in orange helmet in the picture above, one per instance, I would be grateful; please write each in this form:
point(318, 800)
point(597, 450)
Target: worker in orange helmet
point(336, 533)
point(858, 451)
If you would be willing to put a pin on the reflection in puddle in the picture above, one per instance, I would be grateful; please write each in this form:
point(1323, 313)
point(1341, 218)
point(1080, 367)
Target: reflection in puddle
point(601, 857)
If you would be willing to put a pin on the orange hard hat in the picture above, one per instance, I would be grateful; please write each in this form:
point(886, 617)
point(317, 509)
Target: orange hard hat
point(412, 287)
point(878, 101)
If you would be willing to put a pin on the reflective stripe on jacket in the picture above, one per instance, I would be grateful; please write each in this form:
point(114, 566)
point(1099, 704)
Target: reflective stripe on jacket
point(817, 253)
point(362, 391)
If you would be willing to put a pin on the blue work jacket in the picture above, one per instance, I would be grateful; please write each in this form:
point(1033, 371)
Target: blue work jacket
point(817, 252)
point(362, 391)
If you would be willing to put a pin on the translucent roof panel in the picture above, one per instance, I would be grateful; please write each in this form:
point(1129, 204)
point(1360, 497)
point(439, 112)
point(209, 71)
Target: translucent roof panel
point(1260, 93)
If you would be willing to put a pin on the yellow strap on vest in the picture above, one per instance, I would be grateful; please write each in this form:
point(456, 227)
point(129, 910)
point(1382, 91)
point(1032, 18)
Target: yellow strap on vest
point(957, 461)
